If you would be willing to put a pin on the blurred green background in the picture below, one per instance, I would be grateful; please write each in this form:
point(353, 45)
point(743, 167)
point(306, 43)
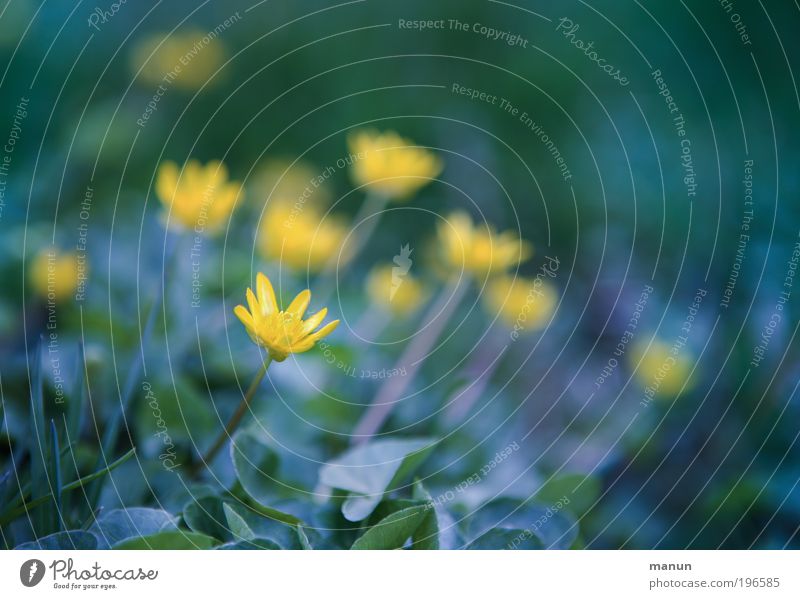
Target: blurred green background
point(710, 464)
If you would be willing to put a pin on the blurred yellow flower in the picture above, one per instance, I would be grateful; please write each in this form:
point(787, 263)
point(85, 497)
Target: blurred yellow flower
point(662, 369)
point(480, 251)
point(391, 165)
point(523, 304)
point(397, 292)
point(281, 179)
point(281, 332)
point(55, 274)
point(185, 59)
point(300, 236)
point(199, 198)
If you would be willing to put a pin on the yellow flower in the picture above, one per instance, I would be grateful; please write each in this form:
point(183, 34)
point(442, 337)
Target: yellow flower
point(480, 251)
point(391, 165)
point(199, 198)
point(300, 236)
point(281, 332)
point(183, 59)
point(55, 273)
point(389, 288)
point(660, 370)
point(523, 304)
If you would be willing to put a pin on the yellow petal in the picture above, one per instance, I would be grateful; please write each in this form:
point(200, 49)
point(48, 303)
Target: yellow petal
point(302, 346)
point(245, 316)
point(266, 295)
point(313, 321)
point(252, 302)
point(324, 331)
point(299, 304)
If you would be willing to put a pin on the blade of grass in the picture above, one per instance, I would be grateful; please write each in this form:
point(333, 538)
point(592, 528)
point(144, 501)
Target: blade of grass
point(25, 489)
point(112, 430)
point(77, 396)
point(38, 447)
point(74, 420)
point(76, 484)
point(55, 471)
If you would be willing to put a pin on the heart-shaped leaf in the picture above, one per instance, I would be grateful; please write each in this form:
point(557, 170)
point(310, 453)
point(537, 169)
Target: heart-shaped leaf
point(256, 465)
point(369, 471)
point(206, 515)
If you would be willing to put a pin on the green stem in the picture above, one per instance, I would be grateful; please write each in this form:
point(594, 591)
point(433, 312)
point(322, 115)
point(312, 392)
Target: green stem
point(236, 419)
point(366, 220)
point(391, 392)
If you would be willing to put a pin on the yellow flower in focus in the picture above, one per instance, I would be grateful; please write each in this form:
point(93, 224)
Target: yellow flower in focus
point(391, 165)
point(480, 251)
point(281, 332)
point(183, 59)
point(54, 273)
point(398, 292)
point(521, 303)
point(299, 236)
point(660, 370)
point(199, 198)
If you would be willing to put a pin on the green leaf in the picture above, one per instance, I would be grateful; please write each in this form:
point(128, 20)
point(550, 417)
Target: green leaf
point(301, 534)
point(271, 513)
point(427, 535)
point(393, 531)
point(577, 491)
point(237, 524)
point(122, 524)
point(252, 544)
point(447, 536)
point(506, 538)
point(284, 535)
point(207, 515)
point(370, 470)
point(256, 465)
point(71, 539)
point(174, 539)
point(551, 525)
